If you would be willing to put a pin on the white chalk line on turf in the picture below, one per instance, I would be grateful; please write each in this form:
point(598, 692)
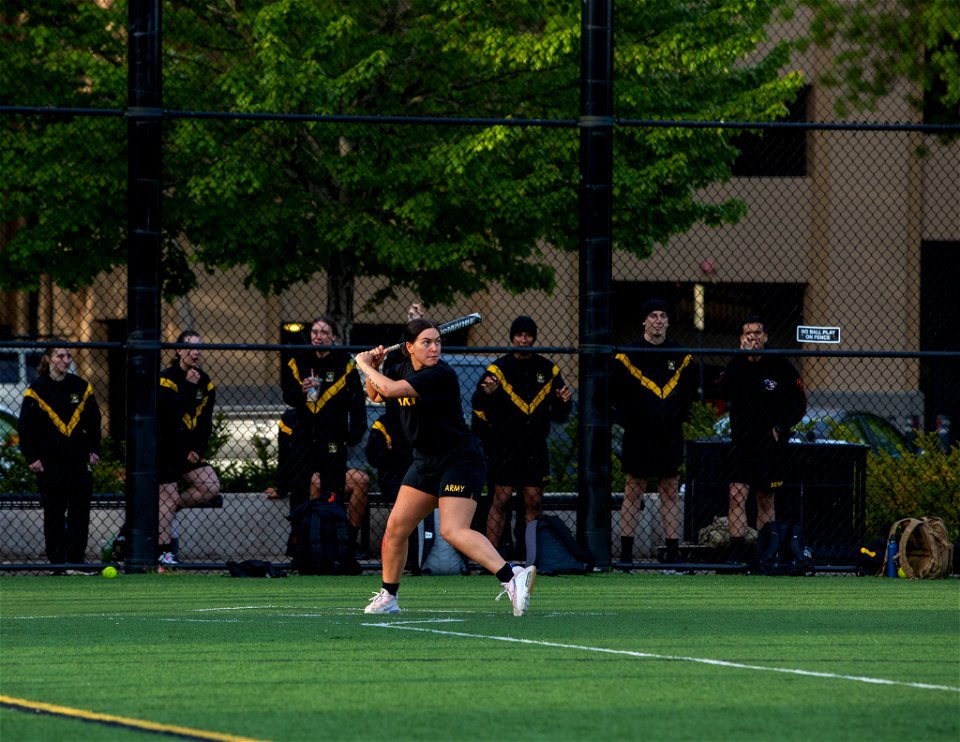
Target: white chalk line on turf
point(405, 626)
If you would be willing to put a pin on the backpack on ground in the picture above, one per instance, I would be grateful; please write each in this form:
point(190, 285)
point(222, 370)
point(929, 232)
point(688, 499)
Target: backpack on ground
point(254, 568)
point(553, 549)
point(435, 555)
point(924, 550)
point(320, 540)
point(782, 550)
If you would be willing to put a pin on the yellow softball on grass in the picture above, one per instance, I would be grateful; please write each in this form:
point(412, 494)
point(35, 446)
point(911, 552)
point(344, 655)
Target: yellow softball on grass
point(900, 573)
point(109, 572)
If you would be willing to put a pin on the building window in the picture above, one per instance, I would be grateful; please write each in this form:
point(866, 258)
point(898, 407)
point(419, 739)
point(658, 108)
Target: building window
point(777, 153)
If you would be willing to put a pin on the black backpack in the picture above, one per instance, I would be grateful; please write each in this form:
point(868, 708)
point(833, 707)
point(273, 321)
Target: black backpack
point(782, 550)
point(320, 540)
point(553, 549)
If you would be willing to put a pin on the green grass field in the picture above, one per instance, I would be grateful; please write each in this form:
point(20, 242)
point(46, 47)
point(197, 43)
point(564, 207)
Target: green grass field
point(599, 657)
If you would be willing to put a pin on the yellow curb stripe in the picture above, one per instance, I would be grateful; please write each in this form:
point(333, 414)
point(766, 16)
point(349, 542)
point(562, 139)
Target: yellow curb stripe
point(48, 708)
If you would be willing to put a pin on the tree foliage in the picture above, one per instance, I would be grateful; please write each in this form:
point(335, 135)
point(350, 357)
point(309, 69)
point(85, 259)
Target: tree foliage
point(440, 209)
point(882, 42)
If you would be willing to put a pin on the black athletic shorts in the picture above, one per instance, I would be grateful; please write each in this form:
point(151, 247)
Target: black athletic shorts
point(520, 466)
point(464, 475)
point(652, 452)
point(758, 463)
point(329, 460)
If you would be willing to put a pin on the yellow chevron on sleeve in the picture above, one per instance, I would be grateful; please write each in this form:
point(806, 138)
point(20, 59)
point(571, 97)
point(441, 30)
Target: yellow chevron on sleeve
point(527, 408)
point(169, 383)
point(383, 430)
point(292, 363)
point(65, 428)
point(662, 392)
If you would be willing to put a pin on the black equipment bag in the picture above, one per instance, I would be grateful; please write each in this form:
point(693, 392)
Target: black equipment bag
point(320, 540)
point(782, 550)
point(553, 549)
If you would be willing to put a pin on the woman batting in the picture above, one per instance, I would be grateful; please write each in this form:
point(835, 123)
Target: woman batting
point(449, 469)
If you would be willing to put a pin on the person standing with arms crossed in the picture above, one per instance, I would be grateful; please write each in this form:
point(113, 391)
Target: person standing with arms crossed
point(652, 392)
point(448, 470)
point(766, 398)
point(185, 411)
point(60, 439)
point(519, 396)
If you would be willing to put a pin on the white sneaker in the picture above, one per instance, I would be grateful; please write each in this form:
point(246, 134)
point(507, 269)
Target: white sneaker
point(519, 588)
point(382, 602)
point(167, 559)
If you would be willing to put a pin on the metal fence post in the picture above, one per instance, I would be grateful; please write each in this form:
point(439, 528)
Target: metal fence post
point(596, 227)
point(144, 138)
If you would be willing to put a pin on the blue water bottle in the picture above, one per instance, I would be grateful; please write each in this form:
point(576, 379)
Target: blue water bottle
point(891, 557)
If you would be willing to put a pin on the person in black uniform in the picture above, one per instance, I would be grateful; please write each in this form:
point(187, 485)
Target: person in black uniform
point(389, 452)
point(765, 396)
point(652, 394)
point(185, 410)
point(60, 439)
point(518, 397)
point(325, 390)
point(448, 470)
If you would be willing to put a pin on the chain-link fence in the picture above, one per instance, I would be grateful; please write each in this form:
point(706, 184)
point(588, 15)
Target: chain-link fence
point(842, 237)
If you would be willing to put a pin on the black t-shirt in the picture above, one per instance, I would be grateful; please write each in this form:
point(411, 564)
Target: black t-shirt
point(762, 394)
point(433, 421)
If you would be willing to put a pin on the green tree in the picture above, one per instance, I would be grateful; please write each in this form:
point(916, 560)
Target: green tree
point(62, 179)
point(882, 42)
point(443, 210)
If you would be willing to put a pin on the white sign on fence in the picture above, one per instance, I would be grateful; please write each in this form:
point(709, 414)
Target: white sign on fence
point(806, 334)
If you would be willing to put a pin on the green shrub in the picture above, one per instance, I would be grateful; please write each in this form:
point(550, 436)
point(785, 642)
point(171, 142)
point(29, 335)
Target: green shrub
point(703, 417)
point(218, 436)
point(253, 475)
point(108, 473)
point(15, 475)
point(564, 461)
point(912, 485)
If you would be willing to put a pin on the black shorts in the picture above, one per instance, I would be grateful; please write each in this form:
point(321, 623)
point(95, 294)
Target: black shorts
point(328, 460)
point(758, 463)
point(651, 452)
point(463, 476)
point(521, 466)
